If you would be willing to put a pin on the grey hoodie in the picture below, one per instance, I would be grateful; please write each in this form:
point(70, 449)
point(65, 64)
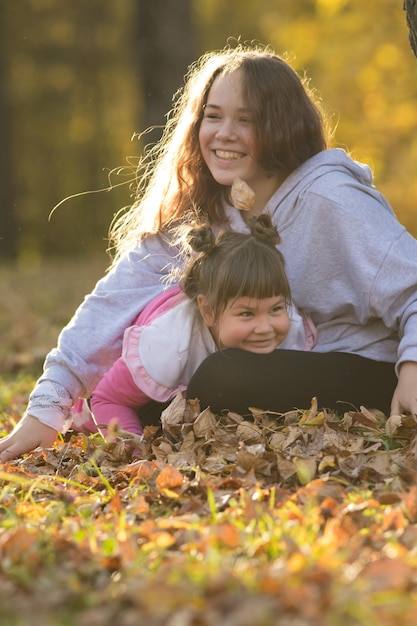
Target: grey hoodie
point(350, 264)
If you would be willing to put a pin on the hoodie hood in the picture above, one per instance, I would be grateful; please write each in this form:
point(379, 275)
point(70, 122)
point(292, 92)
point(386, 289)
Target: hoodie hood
point(326, 174)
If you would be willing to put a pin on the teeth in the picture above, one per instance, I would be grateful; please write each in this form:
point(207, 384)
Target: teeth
point(228, 155)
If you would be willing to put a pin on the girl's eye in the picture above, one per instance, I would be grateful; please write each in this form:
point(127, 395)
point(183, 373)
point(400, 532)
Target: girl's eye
point(278, 308)
point(246, 314)
point(210, 115)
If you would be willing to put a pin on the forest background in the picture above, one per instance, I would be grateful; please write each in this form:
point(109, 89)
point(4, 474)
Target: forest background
point(304, 518)
point(81, 80)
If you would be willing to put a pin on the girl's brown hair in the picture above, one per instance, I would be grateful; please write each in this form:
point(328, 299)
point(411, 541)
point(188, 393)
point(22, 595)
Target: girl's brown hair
point(173, 177)
point(235, 265)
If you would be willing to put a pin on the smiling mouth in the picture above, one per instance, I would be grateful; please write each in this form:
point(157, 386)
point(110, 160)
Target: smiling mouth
point(228, 156)
point(261, 343)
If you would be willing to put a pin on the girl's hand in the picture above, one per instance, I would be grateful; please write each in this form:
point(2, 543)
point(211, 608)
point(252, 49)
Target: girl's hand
point(27, 435)
point(404, 399)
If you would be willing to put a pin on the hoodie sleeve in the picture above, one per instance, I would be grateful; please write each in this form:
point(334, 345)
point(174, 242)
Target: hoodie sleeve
point(394, 294)
point(92, 340)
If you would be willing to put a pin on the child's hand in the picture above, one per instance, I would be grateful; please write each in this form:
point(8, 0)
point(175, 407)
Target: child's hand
point(27, 435)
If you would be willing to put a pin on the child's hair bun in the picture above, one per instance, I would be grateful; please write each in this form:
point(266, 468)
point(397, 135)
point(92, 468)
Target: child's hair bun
point(261, 227)
point(201, 238)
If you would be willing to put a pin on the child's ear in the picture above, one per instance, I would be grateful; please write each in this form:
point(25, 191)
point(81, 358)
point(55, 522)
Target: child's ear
point(205, 311)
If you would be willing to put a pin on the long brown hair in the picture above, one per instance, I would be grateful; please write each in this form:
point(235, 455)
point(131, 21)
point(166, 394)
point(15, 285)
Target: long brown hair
point(172, 177)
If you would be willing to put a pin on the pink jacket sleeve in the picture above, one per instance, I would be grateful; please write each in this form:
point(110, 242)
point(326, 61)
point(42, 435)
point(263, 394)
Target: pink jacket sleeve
point(117, 396)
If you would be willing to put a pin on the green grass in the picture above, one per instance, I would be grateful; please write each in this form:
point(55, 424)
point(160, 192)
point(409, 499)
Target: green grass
point(298, 519)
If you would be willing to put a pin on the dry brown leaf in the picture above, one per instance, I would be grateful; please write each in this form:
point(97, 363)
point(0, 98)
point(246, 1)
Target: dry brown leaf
point(173, 415)
point(143, 469)
point(381, 462)
point(249, 433)
point(364, 421)
point(286, 467)
point(371, 414)
point(243, 197)
point(311, 413)
point(205, 424)
point(247, 456)
point(169, 478)
point(215, 463)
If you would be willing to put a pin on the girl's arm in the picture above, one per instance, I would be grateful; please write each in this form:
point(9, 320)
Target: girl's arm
point(91, 342)
point(118, 397)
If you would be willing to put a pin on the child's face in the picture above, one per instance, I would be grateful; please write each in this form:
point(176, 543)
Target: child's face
point(227, 134)
point(250, 324)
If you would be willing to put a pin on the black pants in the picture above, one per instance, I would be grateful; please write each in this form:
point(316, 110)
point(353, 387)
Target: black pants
point(286, 379)
point(283, 380)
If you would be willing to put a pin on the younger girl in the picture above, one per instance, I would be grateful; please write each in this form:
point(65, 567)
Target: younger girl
point(235, 294)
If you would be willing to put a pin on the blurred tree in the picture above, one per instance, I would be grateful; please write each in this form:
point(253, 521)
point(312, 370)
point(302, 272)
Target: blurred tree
point(164, 43)
point(8, 221)
point(410, 7)
point(80, 78)
point(72, 119)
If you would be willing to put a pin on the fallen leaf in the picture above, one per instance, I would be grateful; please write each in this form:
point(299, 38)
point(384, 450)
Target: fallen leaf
point(169, 478)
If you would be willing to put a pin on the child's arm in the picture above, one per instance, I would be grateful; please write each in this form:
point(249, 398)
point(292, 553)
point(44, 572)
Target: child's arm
point(118, 397)
point(27, 435)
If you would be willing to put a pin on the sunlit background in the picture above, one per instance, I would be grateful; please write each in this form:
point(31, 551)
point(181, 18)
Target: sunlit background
point(79, 79)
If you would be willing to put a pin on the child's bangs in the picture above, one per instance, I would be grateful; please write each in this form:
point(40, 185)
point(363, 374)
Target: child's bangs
point(261, 275)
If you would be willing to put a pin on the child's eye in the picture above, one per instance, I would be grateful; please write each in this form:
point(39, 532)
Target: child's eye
point(246, 314)
point(278, 308)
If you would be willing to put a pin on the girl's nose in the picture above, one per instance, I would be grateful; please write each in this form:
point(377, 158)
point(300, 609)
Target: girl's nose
point(227, 130)
point(263, 324)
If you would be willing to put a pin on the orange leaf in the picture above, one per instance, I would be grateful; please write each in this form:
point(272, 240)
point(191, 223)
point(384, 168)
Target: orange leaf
point(227, 534)
point(169, 478)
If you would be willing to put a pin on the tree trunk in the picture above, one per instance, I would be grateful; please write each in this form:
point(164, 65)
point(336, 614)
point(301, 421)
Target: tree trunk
point(410, 6)
point(164, 41)
point(8, 225)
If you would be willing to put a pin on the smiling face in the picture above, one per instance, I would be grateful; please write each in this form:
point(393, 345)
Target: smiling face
point(252, 324)
point(227, 133)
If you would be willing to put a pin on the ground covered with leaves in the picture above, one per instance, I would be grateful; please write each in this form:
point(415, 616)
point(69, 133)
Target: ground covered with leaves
point(300, 519)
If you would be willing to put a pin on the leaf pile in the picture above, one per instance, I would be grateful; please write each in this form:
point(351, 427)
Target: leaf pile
point(215, 520)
